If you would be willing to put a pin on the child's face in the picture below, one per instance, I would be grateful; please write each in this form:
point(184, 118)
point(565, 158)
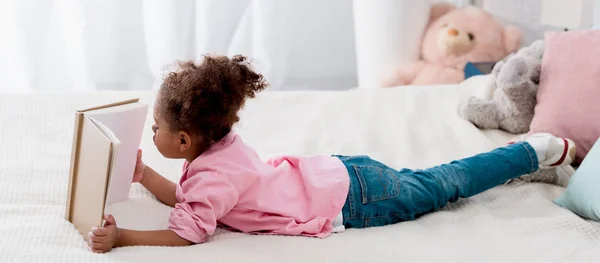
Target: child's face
point(167, 142)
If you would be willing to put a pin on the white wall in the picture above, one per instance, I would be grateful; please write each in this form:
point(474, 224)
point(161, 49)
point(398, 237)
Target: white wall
point(526, 15)
point(322, 45)
point(597, 12)
point(522, 13)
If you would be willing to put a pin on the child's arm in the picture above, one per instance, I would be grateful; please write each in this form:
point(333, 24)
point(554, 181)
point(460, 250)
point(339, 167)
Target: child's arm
point(208, 197)
point(129, 237)
point(159, 186)
point(105, 238)
point(162, 188)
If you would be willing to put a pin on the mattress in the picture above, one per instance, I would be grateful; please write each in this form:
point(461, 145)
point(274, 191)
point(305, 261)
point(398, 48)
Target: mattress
point(412, 127)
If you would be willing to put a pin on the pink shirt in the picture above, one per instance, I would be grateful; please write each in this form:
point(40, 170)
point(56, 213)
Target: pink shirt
point(231, 185)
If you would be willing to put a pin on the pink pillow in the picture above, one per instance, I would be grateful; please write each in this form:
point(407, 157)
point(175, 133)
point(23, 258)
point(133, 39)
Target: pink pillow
point(568, 100)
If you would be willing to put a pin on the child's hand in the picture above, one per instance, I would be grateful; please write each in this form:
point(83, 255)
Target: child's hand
point(139, 168)
point(103, 239)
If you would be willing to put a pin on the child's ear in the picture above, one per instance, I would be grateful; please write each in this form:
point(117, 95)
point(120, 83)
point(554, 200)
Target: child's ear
point(185, 141)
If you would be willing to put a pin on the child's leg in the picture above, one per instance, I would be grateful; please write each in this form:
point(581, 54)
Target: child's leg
point(380, 195)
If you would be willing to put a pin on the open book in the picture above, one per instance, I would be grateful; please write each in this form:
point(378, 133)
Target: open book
point(105, 144)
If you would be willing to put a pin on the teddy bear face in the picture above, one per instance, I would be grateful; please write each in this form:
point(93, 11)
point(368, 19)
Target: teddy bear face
point(464, 35)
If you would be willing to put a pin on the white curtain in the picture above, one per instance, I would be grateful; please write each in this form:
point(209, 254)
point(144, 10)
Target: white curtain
point(125, 44)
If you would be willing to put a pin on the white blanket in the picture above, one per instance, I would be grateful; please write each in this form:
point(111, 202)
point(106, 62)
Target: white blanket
point(411, 127)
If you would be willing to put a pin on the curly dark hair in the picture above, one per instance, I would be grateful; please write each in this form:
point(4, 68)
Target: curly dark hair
point(204, 99)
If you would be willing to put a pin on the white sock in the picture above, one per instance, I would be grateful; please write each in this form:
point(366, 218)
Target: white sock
point(552, 151)
point(540, 145)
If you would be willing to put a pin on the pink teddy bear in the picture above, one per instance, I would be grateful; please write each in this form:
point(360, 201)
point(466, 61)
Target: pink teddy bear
point(452, 38)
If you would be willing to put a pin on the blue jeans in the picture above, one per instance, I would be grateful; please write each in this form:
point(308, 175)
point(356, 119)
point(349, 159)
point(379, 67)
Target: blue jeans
point(380, 195)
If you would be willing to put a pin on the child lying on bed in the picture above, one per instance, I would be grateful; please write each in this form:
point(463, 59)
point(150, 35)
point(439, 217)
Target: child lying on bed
point(225, 182)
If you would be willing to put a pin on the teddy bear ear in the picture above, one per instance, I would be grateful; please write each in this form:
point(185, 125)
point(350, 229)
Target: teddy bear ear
point(440, 9)
point(512, 39)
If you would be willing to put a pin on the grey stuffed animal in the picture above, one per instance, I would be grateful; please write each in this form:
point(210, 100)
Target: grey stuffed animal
point(514, 98)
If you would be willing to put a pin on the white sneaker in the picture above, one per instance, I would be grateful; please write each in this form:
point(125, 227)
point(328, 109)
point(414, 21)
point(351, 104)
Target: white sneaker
point(552, 151)
point(563, 175)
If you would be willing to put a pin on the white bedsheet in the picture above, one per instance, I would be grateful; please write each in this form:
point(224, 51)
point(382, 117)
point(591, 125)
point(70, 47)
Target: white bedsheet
point(411, 127)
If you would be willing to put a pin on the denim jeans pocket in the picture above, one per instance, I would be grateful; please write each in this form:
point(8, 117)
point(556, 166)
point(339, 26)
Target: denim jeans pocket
point(377, 183)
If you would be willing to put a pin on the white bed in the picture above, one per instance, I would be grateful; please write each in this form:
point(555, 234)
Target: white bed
point(405, 127)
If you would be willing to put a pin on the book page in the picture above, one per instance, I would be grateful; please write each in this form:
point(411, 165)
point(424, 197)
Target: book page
point(126, 122)
point(115, 146)
point(106, 131)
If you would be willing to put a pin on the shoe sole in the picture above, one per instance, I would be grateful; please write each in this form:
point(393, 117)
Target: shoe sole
point(563, 175)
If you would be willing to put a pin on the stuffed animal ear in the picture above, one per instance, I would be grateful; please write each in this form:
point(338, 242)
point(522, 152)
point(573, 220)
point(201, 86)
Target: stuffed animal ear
point(439, 9)
point(512, 39)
